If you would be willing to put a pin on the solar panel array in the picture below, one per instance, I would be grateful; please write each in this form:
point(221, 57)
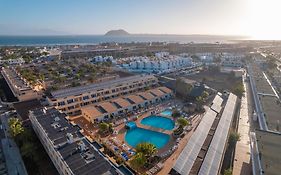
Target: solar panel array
point(212, 161)
point(189, 154)
point(217, 102)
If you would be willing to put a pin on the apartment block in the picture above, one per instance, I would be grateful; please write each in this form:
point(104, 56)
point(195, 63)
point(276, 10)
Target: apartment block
point(69, 151)
point(73, 99)
point(122, 105)
point(19, 86)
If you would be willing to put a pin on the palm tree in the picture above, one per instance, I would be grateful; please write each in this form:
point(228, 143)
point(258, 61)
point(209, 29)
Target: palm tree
point(182, 122)
point(15, 127)
point(103, 127)
point(147, 149)
point(110, 127)
point(138, 161)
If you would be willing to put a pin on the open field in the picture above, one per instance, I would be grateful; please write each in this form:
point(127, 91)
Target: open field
point(216, 80)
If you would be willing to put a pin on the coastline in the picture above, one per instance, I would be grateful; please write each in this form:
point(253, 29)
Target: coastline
point(52, 40)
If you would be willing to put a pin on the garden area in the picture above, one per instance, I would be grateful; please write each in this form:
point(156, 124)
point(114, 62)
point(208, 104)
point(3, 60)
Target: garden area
point(58, 74)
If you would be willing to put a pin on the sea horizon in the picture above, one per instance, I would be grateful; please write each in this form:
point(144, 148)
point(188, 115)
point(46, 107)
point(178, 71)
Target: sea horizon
point(43, 40)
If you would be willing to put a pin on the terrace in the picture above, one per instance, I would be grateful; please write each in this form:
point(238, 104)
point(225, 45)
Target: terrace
point(134, 99)
point(165, 90)
point(146, 95)
point(157, 92)
point(122, 102)
point(108, 107)
point(91, 113)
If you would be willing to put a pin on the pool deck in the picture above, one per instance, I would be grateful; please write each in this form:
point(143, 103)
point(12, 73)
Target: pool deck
point(140, 125)
point(122, 131)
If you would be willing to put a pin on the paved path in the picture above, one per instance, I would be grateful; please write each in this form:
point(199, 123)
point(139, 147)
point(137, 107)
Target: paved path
point(242, 158)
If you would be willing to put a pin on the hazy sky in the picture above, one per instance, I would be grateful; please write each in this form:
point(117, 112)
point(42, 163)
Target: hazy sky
point(257, 18)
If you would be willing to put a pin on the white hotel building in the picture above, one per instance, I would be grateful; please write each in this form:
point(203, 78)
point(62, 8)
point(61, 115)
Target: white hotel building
point(159, 65)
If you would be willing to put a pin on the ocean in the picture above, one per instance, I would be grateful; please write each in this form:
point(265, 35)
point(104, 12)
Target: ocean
point(96, 39)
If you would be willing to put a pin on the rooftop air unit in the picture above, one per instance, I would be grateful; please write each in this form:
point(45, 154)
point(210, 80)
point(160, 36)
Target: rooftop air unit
point(70, 138)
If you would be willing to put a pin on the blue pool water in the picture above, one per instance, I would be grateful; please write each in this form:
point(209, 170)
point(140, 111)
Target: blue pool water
point(140, 135)
point(167, 112)
point(159, 122)
point(131, 125)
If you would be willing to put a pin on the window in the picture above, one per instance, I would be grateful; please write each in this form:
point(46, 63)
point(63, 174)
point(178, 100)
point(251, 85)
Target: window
point(85, 97)
point(93, 95)
point(70, 107)
point(70, 101)
point(61, 103)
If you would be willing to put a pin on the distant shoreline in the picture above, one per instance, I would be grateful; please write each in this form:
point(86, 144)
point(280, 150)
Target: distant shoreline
point(140, 34)
point(42, 40)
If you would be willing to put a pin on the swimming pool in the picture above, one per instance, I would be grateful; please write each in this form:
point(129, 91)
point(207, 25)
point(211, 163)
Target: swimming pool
point(139, 135)
point(167, 112)
point(131, 125)
point(158, 122)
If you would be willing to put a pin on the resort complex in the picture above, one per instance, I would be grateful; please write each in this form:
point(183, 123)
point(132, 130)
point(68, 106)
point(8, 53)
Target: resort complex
point(187, 87)
point(139, 108)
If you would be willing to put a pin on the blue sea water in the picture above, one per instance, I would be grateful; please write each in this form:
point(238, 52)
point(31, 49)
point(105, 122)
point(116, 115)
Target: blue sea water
point(96, 39)
point(139, 135)
point(158, 122)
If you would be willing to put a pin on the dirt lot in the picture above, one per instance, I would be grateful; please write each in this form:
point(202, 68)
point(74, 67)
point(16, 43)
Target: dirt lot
point(216, 80)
